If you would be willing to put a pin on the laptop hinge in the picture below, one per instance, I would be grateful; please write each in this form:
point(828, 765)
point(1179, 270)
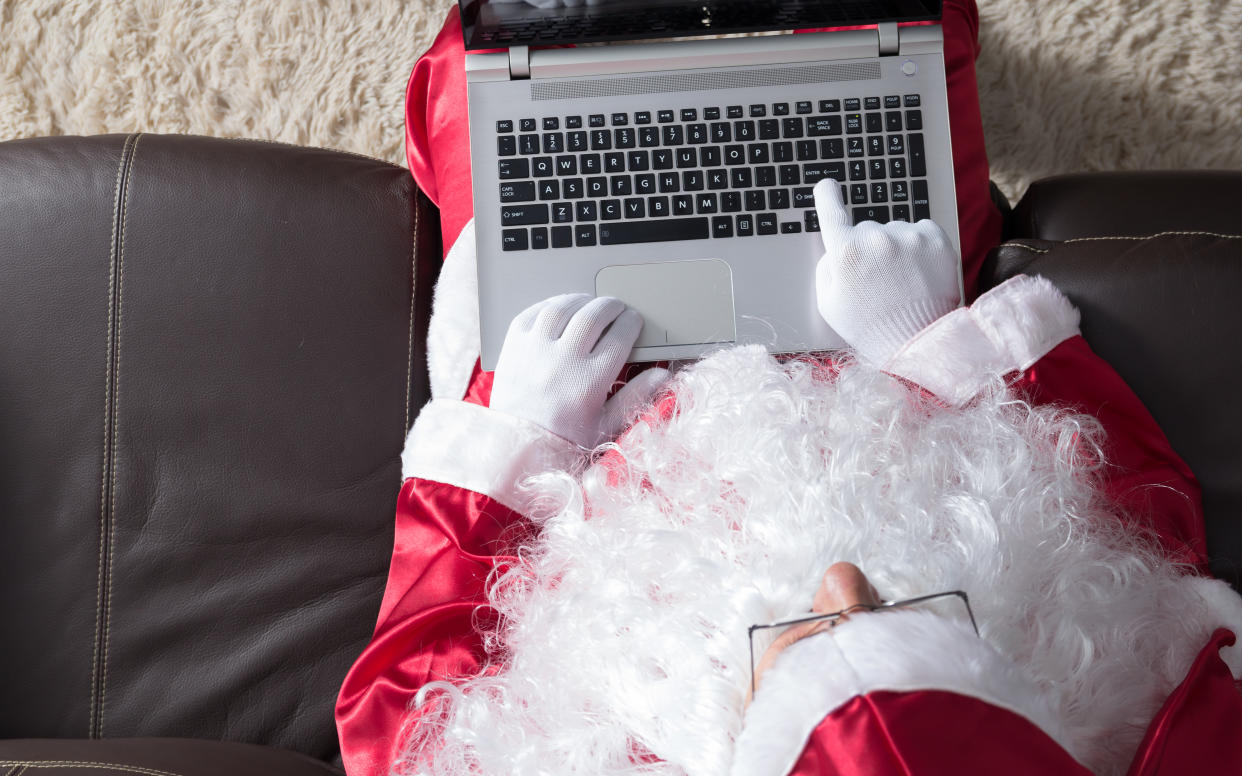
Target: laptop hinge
point(519, 62)
point(889, 40)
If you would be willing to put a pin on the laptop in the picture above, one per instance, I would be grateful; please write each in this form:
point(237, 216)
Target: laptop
point(674, 170)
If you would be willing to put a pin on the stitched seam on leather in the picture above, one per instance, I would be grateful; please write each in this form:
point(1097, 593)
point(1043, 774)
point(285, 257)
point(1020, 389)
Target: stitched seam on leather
point(1127, 237)
point(409, 366)
point(107, 438)
point(15, 770)
point(89, 764)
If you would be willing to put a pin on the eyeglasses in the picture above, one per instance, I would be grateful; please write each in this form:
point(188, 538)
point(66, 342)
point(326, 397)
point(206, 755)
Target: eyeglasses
point(750, 632)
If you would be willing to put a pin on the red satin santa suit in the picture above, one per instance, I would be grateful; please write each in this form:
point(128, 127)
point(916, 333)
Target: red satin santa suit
point(452, 530)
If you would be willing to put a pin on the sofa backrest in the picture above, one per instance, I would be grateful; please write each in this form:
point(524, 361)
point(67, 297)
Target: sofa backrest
point(210, 353)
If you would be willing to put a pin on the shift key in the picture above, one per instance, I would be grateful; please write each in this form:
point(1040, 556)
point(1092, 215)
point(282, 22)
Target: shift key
point(521, 215)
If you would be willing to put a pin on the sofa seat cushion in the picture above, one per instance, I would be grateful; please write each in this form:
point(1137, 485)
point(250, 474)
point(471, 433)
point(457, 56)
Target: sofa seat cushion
point(153, 757)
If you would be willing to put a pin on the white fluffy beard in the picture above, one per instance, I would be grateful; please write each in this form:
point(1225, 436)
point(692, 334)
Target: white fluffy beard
point(625, 625)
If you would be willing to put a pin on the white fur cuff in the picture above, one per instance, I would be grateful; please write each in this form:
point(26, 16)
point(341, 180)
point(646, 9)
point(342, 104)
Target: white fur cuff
point(901, 651)
point(472, 447)
point(1007, 329)
point(1226, 606)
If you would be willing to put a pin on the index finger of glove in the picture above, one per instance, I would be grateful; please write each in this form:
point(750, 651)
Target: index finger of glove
point(555, 314)
point(834, 220)
point(616, 343)
point(589, 322)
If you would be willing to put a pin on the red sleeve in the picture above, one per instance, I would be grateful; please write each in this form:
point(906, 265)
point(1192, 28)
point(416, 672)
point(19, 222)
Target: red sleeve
point(1145, 476)
point(888, 733)
point(447, 542)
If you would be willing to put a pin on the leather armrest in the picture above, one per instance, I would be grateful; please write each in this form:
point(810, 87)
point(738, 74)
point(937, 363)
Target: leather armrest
point(1129, 204)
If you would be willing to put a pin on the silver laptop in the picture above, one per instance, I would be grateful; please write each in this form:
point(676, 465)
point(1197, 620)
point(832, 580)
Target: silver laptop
point(676, 175)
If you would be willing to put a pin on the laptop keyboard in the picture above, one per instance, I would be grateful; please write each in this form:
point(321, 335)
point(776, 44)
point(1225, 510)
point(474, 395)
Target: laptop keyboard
point(715, 172)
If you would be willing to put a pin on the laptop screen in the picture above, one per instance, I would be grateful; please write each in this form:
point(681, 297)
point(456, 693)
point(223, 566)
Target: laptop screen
point(490, 24)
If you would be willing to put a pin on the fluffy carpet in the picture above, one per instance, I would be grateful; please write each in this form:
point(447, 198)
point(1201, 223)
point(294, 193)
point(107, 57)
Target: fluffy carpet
point(1066, 85)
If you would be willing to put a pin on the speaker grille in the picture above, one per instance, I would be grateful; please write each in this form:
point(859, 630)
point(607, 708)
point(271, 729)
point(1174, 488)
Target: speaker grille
point(703, 81)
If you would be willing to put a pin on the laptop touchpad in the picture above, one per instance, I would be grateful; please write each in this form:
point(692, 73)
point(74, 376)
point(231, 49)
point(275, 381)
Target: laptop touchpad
point(682, 302)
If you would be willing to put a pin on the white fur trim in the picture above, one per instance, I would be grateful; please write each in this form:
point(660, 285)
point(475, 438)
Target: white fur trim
point(902, 651)
point(453, 333)
point(1007, 329)
point(1226, 604)
point(472, 447)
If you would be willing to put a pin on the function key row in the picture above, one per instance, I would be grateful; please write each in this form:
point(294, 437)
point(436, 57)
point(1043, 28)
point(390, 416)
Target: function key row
point(549, 123)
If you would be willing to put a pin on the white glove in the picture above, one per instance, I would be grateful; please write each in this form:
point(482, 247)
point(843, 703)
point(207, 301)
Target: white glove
point(877, 285)
point(559, 360)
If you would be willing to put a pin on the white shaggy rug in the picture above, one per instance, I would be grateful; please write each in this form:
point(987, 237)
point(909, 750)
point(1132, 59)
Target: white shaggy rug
point(1066, 85)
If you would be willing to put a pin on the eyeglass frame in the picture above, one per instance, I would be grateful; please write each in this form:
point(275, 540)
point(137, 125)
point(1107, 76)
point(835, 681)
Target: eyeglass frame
point(750, 632)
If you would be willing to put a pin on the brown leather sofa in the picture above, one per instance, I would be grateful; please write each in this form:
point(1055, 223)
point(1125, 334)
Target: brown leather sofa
point(210, 351)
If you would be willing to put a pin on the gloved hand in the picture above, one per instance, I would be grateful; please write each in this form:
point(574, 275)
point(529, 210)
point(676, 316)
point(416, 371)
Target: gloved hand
point(559, 360)
point(877, 285)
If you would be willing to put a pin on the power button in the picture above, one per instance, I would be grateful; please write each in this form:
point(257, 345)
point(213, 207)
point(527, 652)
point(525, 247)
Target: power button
point(909, 68)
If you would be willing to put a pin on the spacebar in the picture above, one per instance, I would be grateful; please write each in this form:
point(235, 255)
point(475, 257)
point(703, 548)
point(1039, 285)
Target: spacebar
point(653, 231)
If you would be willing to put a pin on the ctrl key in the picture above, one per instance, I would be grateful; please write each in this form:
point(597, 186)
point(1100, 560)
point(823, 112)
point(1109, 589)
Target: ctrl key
point(513, 240)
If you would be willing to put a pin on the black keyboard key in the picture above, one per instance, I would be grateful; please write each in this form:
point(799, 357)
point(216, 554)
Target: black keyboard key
point(803, 106)
point(506, 145)
point(648, 137)
point(601, 140)
point(922, 206)
point(596, 186)
point(792, 128)
point(551, 122)
point(901, 213)
point(892, 101)
point(778, 199)
point(806, 150)
point(571, 188)
point(740, 178)
point(873, 213)
point(853, 124)
point(585, 210)
point(853, 103)
point(692, 180)
point(539, 237)
point(911, 101)
point(634, 208)
point(626, 233)
point(900, 192)
point(745, 225)
point(696, 134)
point(689, 114)
point(854, 147)
point(550, 189)
point(755, 200)
point(734, 154)
point(814, 173)
point(521, 215)
point(803, 196)
point(528, 144)
point(527, 125)
point(620, 119)
point(642, 117)
point(858, 170)
point(875, 145)
point(896, 145)
point(504, 126)
point(706, 204)
point(562, 237)
point(657, 207)
point(914, 120)
point(757, 153)
point(673, 136)
point(769, 129)
point(744, 131)
point(765, 176)
point(780, 109)
point(542, 167)
point(879, 192)
point(590, 164)
point(782, 152)
point(831, 149)
point(896, 168)
point(711, 114)
point(576, 141)
point(734, 112)
point(790, 175)
point(644, 184)
point(758, 111)
point(686, 157)
point(819, 126)
point(670, 183)
point(597, 120)
point(811, 220)
point(829, 106)
point(717, 179)
point(562, 213)
point(892, 121)
point(553, 142)
point(584, 235)
point(609, 209)
point(730, 202)
point(683, 205)
point(876, 169)
point(573, 122)
point(791, 227)
point(621, 185)
point(722, 226)
point(766, 223)
point(514, 168)
point(513, 240)
point(871, 103)
point(625, 137)
point(665, 116)
point(709, 156)
point(875, 122)
point(918, 161)
point(722, 132)
point(858, 194)
point(662, 159)
point(614, 162)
